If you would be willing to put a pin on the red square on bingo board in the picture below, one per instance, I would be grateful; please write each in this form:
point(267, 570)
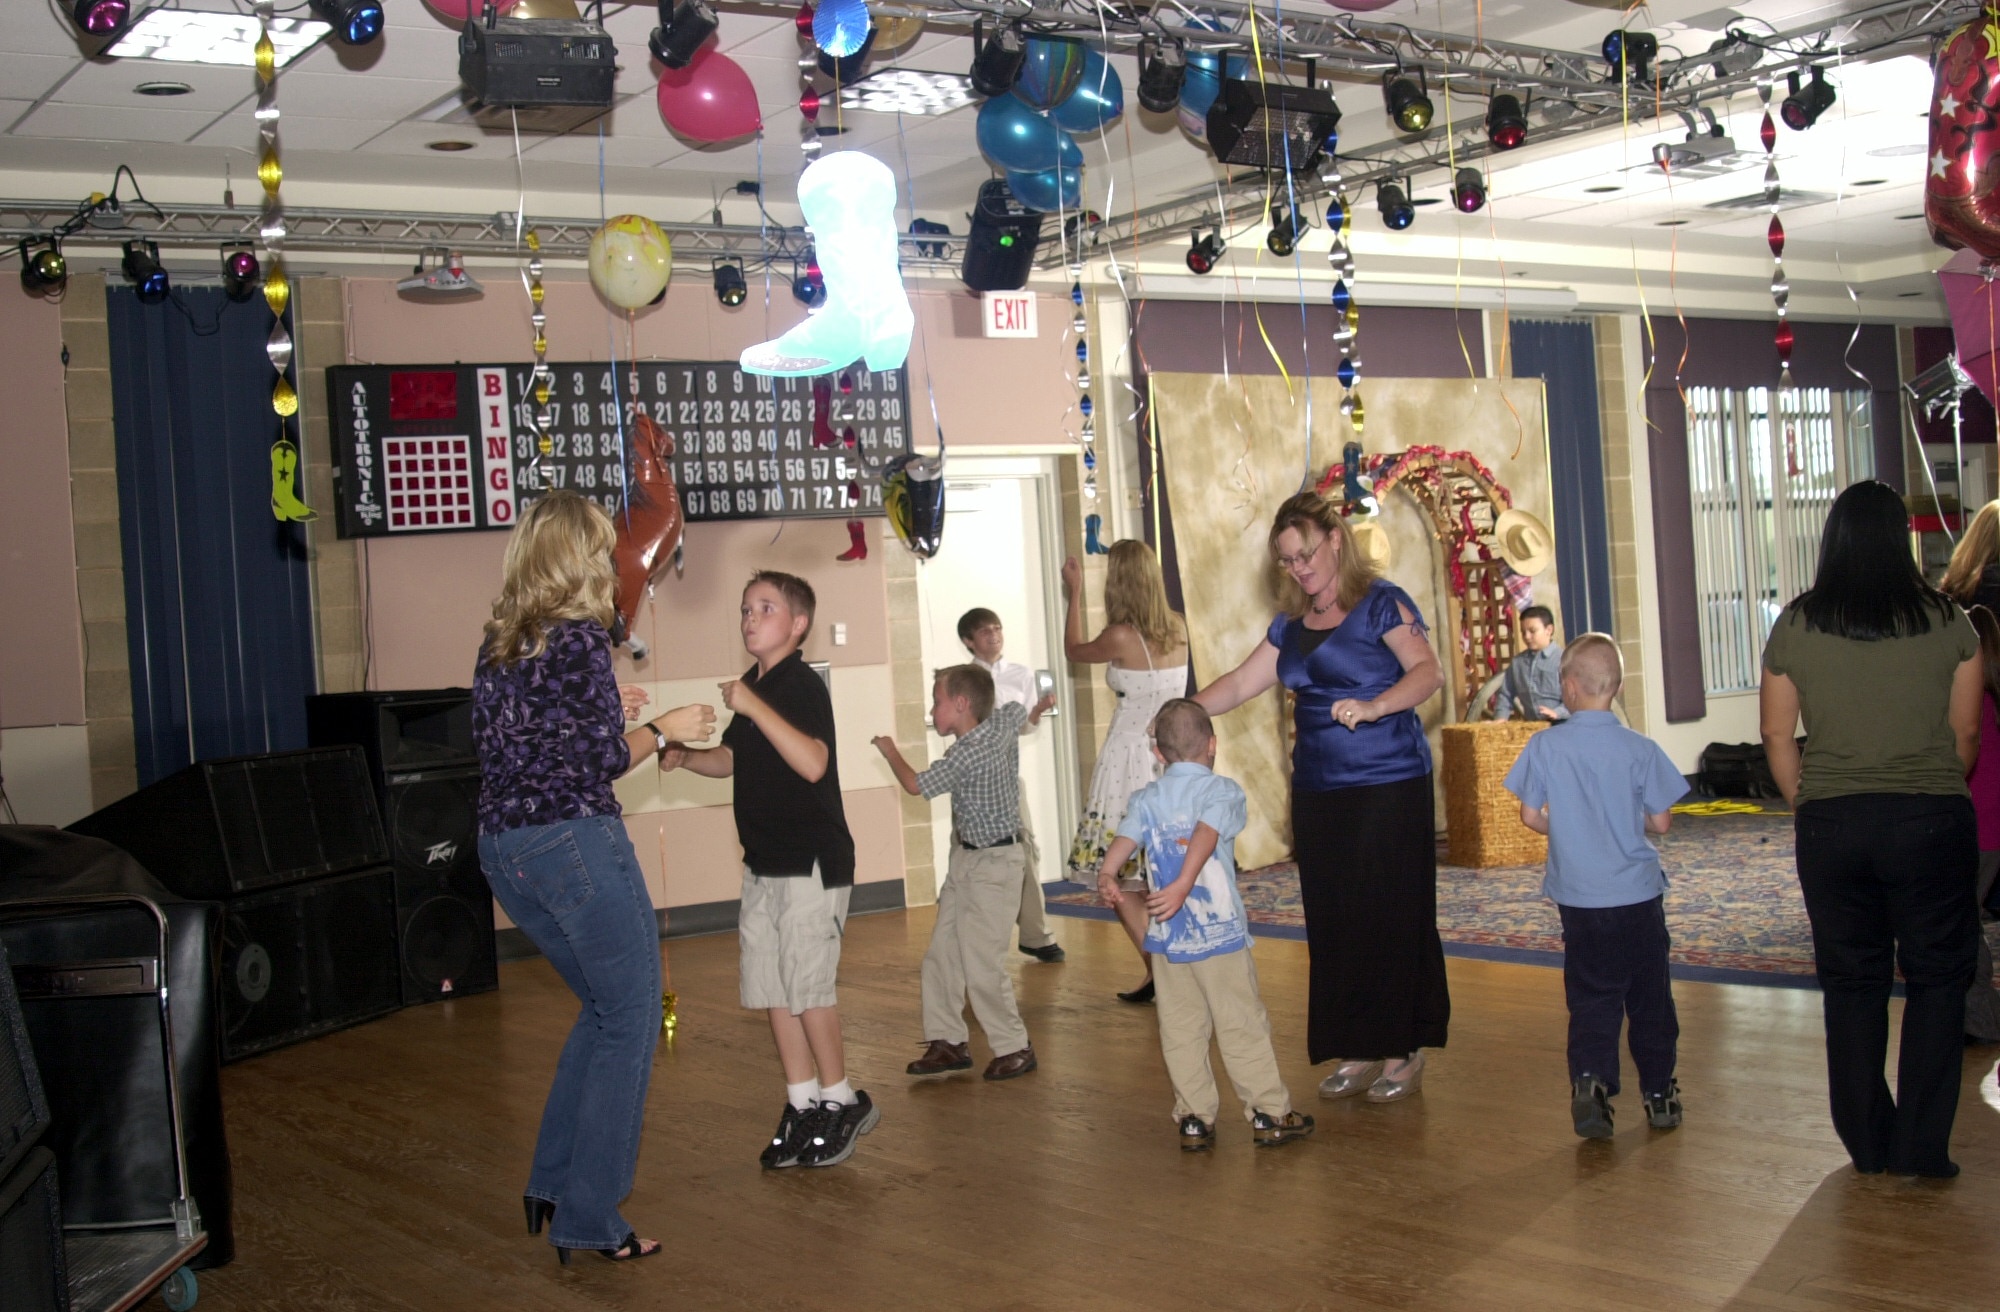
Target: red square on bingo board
point(432, 499)
point(420, 396)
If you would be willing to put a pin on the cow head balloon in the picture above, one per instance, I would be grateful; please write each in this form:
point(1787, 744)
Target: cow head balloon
point(649, 526)
point(1962, 182)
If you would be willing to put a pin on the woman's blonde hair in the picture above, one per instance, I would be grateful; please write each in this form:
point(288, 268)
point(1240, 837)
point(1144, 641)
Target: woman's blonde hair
point(1135, 593)
point(1304, 513)
point(1979, 548)
point(558, 567)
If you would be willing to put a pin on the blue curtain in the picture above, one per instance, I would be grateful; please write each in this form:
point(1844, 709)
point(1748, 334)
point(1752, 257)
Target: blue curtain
point(1564, 356)
point(218, 599)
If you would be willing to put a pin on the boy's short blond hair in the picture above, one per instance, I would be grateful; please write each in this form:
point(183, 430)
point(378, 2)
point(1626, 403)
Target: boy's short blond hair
point(972, 683)
point(1596, 665)
point(1182, 729)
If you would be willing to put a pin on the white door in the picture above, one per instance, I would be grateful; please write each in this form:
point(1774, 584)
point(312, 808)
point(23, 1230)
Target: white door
point(1001, 550)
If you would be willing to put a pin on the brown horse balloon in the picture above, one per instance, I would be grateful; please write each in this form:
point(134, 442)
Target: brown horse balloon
point(649, 524)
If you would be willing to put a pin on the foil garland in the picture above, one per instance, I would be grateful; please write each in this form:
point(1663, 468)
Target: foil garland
point(1346, 310)
point(286, 504)
point(543, 412)
point(1781, 289)
point(1087, 434)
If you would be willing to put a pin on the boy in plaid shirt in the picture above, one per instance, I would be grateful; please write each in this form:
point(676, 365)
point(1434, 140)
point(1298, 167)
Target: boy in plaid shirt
point(982, 887)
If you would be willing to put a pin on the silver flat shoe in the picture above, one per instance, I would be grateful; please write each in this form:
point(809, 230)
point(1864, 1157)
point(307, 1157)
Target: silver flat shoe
point(1350, 1078)
point(1388, 1090)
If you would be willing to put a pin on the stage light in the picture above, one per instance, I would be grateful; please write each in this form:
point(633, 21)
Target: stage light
point(1630, 55)
point(101, 17)
point(354, 22)
point(1733, 54)
point(1162, 69)
point(43, 268)
point(996, 63)
point(240, 272)
point(141, 266)
point(930, 250)
point(1203, 252)
point(682, 30)
point(1506, 121)
point(1409, 108)
point(808, 283)
point(1803, 107)
point(1285, 228)
point(1393, 200)
point(1468, 191)
point(731, 288)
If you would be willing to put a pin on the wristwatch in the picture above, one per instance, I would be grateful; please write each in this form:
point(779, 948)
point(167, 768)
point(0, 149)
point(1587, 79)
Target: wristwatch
point(660, 743)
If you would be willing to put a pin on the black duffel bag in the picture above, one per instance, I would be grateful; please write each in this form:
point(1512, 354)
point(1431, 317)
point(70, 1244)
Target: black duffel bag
point(1736, 770)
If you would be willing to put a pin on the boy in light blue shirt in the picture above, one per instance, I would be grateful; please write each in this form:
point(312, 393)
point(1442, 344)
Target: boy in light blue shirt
point(1203, 974)
point(1597, 789)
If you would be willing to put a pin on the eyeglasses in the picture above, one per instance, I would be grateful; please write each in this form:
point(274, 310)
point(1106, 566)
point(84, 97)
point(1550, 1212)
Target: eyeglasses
point(1304, 558)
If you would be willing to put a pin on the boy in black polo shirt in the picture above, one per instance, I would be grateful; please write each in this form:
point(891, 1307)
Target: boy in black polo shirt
point(798, 868)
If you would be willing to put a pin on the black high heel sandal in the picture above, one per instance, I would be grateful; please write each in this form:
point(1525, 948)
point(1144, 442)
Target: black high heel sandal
point(538, 1210)
point(631, 1250)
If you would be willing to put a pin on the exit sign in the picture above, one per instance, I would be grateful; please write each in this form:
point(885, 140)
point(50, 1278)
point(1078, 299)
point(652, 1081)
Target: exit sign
point(1007, 314)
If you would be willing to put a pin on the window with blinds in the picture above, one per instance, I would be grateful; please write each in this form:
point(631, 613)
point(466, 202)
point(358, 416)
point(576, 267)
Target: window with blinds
point(1761, 484)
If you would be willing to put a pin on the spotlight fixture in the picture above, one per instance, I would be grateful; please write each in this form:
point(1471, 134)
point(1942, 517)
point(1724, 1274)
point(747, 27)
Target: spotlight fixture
point(1203, 252)
point(1271, 126)
point(996, 63)
point(354, 22)
point(1283, 238)
point(101, 17)
point(43, 268)
point(1162, 67)
point(1506, 121)
point(731, 288)
point(1409, 108)
point(930, 250)
point(1393, 200)
point(808, 283)
point(240, 272)
point(1468, 191)
point(1804, 106)
point(1630, 55)
point(141, 266)
point(682, 30)
point(1733, 54)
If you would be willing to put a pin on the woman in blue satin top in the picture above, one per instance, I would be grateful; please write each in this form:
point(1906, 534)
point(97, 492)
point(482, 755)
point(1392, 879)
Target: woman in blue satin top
point(1356, 654)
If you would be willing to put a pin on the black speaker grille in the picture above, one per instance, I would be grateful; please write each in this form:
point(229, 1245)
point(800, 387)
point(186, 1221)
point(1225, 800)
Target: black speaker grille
point(351, 948)
point(286, 818)
point(263, 974)
point(33, 1275)
point(433, 825)
point(441, 945)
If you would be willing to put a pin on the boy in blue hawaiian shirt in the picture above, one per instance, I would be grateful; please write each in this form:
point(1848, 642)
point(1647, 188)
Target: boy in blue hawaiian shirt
point(1187, 820)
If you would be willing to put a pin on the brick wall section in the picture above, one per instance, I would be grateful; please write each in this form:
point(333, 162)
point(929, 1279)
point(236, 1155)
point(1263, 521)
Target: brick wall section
point(320, 319)
point(1616, 410)
point(911, 688)
point(100, 561)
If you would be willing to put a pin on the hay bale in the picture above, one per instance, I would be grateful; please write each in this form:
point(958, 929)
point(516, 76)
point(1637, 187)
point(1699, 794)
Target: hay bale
point(1482, 819)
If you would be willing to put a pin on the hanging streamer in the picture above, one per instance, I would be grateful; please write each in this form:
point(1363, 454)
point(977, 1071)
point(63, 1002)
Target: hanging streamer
point(286, 503)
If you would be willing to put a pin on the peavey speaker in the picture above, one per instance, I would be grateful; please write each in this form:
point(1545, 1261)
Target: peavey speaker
point(33, 1275)
point(245, 823)
point(444, 910)
point(399, 731)
point(308, 959)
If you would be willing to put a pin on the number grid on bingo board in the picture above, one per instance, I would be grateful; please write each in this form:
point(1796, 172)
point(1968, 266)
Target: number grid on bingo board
point(451, 448)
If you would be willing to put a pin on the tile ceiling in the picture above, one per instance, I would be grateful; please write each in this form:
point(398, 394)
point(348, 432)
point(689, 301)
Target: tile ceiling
point(358, 124)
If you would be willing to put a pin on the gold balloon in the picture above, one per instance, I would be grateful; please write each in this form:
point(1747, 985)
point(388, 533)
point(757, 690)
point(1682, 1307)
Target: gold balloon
point(894, 31)
point(544, 9)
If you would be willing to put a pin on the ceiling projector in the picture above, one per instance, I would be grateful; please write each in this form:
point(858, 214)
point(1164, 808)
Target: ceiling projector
point(447, 279)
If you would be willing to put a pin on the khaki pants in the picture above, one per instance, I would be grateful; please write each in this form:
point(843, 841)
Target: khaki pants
point(1217, 996)
point(968, 952)
point(1033, 919)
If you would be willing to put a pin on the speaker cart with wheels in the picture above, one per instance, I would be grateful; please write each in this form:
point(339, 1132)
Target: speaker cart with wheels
point(114, 1268)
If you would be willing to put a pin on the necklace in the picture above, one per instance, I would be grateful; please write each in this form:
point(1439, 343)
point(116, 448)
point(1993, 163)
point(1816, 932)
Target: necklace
point(1319, 608)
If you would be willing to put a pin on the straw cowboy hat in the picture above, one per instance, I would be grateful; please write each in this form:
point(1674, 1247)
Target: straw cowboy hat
point(1371, 540)
point(1524, 542)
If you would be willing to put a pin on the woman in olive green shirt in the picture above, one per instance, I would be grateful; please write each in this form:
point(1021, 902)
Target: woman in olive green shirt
point(1885, 673)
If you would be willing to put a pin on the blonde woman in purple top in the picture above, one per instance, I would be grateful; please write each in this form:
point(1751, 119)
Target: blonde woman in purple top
point(549, 721)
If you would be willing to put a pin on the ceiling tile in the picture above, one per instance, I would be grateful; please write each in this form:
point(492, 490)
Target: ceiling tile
point(110, 83)
point(32, 76)
point(347, 95)
point(296, 132)
point(99, 123)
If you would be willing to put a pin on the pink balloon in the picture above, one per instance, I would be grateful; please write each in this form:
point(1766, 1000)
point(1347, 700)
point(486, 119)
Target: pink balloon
point(711, 99)
point(457, 11)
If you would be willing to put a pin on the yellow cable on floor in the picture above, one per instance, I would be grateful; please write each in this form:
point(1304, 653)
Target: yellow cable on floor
point(1720, 806)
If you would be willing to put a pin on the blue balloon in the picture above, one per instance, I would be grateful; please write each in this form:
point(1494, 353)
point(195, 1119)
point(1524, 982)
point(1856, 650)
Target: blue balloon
point(1098, 99)
point(1047, 189)
point(1015, 137)
point(840, 27)
point(1053, 67)
point(1199, 88)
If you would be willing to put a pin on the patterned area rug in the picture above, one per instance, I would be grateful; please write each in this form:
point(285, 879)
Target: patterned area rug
point(1733, 905)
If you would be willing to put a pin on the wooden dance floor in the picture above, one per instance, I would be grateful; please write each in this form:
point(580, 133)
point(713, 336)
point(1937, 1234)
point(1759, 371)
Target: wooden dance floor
point(382, 1168)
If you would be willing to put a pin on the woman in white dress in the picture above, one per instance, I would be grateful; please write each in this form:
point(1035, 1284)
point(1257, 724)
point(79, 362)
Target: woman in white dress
point(1145, 644)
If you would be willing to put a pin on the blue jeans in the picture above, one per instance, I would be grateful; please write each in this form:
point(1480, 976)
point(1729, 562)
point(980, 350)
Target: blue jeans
point(1615, 969)
point(575, 888)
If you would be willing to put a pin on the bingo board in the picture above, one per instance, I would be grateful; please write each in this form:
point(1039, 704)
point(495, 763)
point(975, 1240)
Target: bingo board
point(451, 448)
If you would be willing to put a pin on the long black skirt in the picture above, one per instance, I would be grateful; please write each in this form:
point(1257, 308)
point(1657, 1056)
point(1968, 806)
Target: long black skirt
point(1368, 878)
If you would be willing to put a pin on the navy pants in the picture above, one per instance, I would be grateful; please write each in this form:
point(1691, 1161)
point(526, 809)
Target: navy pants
point(576, 890)
point(1890, 880)
point(1615, 969)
